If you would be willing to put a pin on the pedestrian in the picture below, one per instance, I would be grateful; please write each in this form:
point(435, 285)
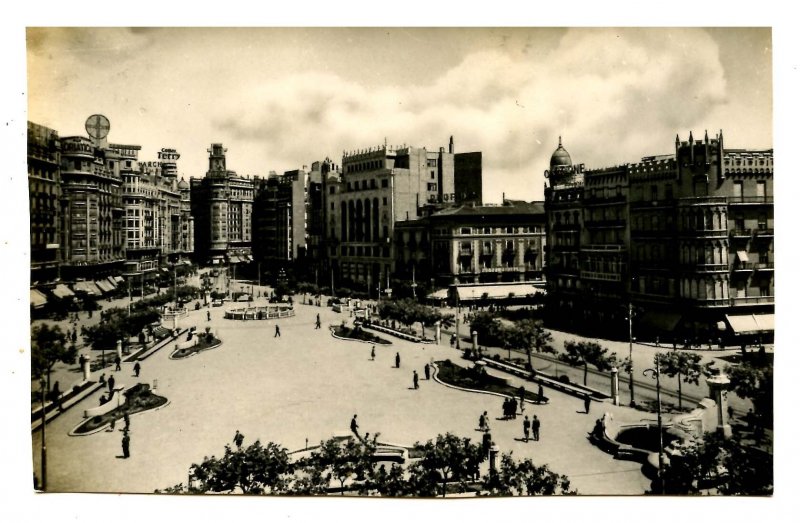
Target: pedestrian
point(238, 439)
point(208, 315)
point(137, 368)
point(354, 425)
point(657, 342)
point(526, 428)
point(505, 408)
point(427, 371)
point(540, 393)
point(535, 424)
point(587, 403)
point(113, 424)
point(416, 380)
point(522, 399)
point(487, 442)
point(277, 331)
point(127, 419)
point(117, 362)
point(512, 407)
point(483, 422)
point(372, 353)
point(452, 339)
point(111, 384)
point(318, 323)
point(397, 360)
point(126, 445)
point(730, 413)
point(103, 399)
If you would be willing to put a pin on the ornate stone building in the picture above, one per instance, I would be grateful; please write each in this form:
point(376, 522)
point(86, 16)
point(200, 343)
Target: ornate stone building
point(44, 197)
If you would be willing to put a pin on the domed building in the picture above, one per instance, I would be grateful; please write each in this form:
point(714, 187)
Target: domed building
point(560, 158)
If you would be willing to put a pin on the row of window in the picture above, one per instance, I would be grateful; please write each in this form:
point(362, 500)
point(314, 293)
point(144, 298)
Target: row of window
point(364, 185)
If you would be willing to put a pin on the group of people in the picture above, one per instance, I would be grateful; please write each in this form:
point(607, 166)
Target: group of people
point(510, 408)
point(529, 426)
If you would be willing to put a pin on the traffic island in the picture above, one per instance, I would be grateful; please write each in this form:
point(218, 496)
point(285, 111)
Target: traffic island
point(196, 344)
point(343, 332)
point(138, 398)
point(476, 379)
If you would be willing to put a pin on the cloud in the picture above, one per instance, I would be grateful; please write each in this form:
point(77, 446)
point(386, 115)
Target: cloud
point(614, 95)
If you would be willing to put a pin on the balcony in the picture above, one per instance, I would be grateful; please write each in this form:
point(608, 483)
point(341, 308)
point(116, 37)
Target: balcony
point(764, 232)
point(733, 302)
point(602, 247)
point(750, 200)
point(741, 233)
point(764, 266)
point(565, 248)
point(652, 204)
point(602, 276)
point(706, 267)
point(605, 223)
point(705, 233)
point(743, 267)
point(566, 227)
point(605, 200)
point(752, 300)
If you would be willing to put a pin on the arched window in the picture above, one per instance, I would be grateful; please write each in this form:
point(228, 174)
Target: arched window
point(367, 220)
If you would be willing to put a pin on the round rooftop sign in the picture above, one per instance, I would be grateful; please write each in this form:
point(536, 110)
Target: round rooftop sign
point(98, 126)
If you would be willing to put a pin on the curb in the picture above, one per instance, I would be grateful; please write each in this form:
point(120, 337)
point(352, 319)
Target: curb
point(194, 353)
point(463, 389)
point(103, 427)
point(359, 341)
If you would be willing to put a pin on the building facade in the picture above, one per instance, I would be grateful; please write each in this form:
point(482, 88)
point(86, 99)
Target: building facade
point(91, 210)
point(280, 218)
point(684, 242)
point(473, 244)
point(44, 197)
point(222, 206)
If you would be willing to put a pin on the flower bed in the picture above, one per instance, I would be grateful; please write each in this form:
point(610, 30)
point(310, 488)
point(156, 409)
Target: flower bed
point(478, 380)
point(204, 342)
point(137, 399)
point(357, 333)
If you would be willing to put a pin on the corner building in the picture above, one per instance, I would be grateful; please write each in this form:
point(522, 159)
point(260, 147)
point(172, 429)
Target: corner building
point(686, 239)
point(44, 197)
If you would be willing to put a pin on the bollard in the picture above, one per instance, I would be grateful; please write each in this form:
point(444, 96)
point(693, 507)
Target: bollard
point(87, 369)
point(615, 385)
point(155, 383)
point(475, 341)
point(493, 451)
point(119, 349)
point(438, 334)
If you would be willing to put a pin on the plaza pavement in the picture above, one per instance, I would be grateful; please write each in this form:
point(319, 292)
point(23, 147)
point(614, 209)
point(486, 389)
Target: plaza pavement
point(307, 385)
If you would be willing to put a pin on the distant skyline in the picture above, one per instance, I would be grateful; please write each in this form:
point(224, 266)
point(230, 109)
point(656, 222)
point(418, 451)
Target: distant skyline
point(282, 98)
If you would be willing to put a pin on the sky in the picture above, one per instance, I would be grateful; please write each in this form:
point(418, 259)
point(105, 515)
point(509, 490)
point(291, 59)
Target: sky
point(282, 98)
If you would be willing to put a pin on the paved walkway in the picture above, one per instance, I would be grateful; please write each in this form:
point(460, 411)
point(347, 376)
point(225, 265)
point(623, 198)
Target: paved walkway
point(303, 386)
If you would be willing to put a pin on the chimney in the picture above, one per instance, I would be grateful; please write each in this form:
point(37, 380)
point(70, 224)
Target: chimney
point(452, 146)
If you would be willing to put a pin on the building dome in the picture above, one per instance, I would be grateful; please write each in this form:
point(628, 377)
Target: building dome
point(183, 184)
point(560, 157)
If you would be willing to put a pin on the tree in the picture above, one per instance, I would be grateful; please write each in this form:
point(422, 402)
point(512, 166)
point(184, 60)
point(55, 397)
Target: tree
point(530, 336)
point(755, 383)
point(490, 330)
point(524, 479)
point(48, 347)
point(587, 353)
point(448, 458)
point(256, 469)
point(343, 461)
point(682, 364)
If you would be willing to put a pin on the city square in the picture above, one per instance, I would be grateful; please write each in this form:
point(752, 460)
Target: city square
point(445, 310)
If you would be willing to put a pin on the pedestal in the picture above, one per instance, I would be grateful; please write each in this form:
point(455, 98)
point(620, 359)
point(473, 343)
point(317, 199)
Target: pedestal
point(615, 385)
point(119, 349)
point(494, 450)
point(87, 369)
point(474, 341)
point(718, 390)
point(438, 333)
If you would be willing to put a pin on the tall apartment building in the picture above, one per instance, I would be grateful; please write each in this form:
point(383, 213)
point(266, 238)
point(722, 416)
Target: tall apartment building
point(378, 188)
point(222, 206)
point(280, 210)
point(186, 246)
point(686, 239)
point(44, 197)
point(473, 244)
point(91, 209)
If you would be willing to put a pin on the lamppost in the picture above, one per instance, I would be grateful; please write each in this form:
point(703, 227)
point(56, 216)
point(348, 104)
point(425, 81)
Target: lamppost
point(657, 373)
point(630, 350)
point(43, 386)
point(458, 317)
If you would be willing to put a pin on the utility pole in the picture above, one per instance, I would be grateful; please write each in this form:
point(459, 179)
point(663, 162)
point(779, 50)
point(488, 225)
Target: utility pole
point(657, 373)
point(43, 386)
point(630, 350)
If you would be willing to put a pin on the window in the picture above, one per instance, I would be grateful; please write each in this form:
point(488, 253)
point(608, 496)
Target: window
point(332, 190)
point(654, 192)
point(668, 192)
point(761, 189)
point(431, 186)
point(466, 230)
point(762, 222)
point(487, 230)
point(385, 200)
point(737, 190)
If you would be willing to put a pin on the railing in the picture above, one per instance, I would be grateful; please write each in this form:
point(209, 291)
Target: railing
point(593, 200)
point(703, 200)
point(743, 266)
point(732, 302)
point(605, 223)
point(741, 233)
point(765, 266)
point(750, 300)
point(566, 248)
point(604, 276)
point(566, 227)
point(764, 232)
point(707, 267)
point(735, 200)
point(603, 247)
point(704, 232)
point(653, 203)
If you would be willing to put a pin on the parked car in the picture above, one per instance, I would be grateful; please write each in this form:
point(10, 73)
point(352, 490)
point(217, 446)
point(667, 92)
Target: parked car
point(216, 303)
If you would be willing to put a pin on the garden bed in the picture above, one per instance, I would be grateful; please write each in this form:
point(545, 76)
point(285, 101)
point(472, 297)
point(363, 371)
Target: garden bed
point(359, 334)
point(204, 342)
point(478, 380)
point(138, 399)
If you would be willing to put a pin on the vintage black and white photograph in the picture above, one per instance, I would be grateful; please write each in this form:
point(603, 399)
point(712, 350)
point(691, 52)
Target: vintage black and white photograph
point(417, 262)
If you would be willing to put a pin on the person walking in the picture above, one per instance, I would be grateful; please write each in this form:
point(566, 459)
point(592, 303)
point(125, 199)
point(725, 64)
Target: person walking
point(208, 315)
point(117, 362)
point(587, 403)
point(372, 354)
point(521, 392)
point(318, 324)
point(137, 368)
point(535, 425)
point(526, 428)
point(111, 385)
point(416, 380)
point(126, 445)
point(540, 393)
point(354, 425)
point(127, 419)
point(483, 422)
point(397, 360)
point(427, 371)
point(277, 331)
point(238, 439)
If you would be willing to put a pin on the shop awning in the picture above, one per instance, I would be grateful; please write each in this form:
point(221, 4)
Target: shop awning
point(235, 259)
point(496, 292)
point(62, 291)
point(38, 300)
point(742, 255)
point(104, 286)
point(658, 320)
point(111, 282)
point(766, 322)
point(119, 279)
point(441, 294)
point(743, 323)
point(85, 287)
point(164, 269)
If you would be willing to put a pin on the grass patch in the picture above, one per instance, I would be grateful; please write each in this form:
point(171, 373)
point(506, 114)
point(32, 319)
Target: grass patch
point(204, 342)
point(357, 333)
point(478, 380)
point(137, 399)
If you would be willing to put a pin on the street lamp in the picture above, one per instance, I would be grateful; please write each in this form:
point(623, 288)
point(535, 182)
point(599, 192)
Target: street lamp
point(657, 373)
point(630, 350)
point(43, 386)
